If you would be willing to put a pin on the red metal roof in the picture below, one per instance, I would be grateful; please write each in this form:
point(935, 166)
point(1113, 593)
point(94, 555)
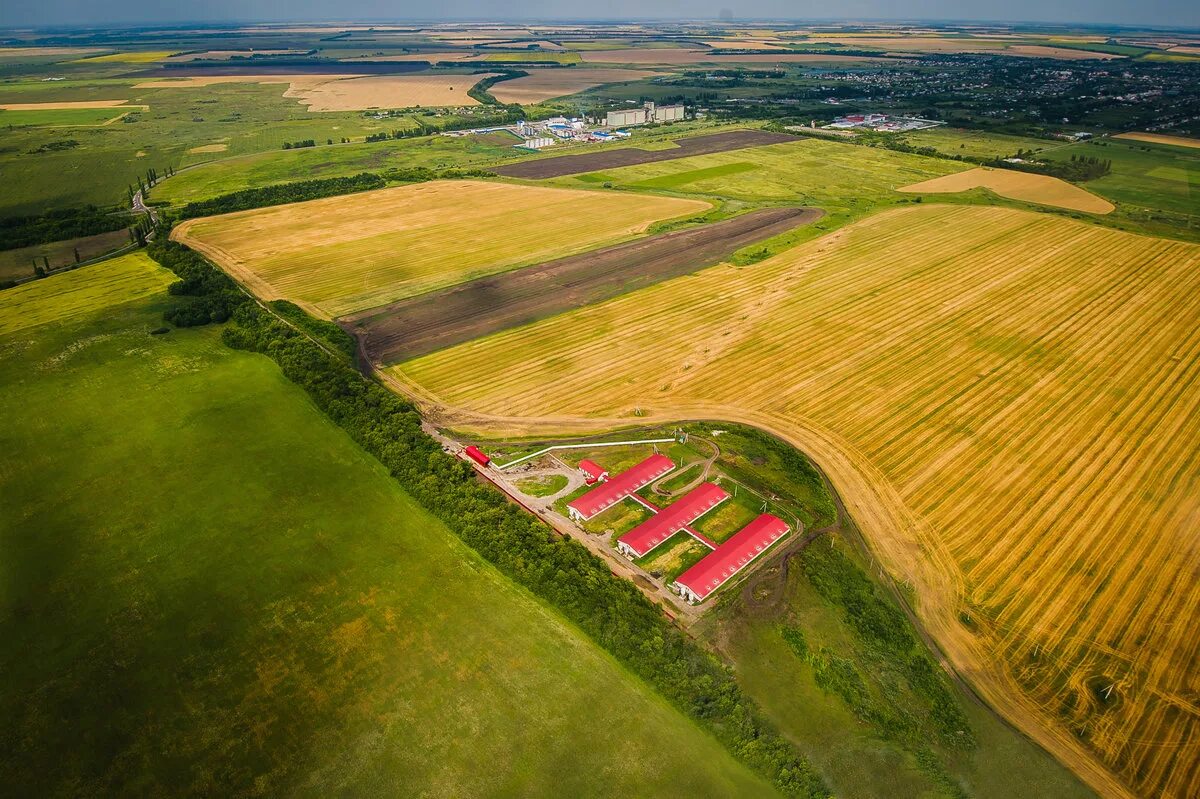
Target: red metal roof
point(661, 526)
point(606, 495)
point(477, 455)
point(734, 555)
point(592, 469)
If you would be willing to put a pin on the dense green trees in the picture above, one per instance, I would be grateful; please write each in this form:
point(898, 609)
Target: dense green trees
point(68, 223)
point(281, 194)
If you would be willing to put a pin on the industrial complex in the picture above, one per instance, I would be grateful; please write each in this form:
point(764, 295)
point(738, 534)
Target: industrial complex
point(555, 130)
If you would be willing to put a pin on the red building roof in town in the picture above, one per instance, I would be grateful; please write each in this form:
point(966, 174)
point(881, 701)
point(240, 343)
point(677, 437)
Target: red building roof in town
point(673, 518)
point(605, 495)
point(734, 555)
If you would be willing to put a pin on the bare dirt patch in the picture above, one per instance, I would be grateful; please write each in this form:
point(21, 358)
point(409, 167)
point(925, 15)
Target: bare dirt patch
point(546, 84)
point(430, 322)
point(1041, 189)
point(1160, 138)
point(629, 156)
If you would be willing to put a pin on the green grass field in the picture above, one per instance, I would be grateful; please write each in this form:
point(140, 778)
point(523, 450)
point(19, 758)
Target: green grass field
point(975, 143)
point(234, 174)
point(1148, 176)
point(62, 298)
point(206, 588)
point(532, 56)
point(63, 117)
point(855, 756)
point(845, 180)
point(248, 118)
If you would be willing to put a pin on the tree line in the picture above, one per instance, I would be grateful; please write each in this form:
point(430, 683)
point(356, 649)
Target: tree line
point(559, 570)
point(67, 223)
point(298, 191)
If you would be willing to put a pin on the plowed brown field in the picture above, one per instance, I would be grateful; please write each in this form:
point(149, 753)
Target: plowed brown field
point(1010, 405)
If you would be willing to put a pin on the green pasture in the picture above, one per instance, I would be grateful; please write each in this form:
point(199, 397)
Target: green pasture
point(975, 143)
point(846, 181)
point(207, 588)
point(263, 169)
point(61, 117)
point(857, 756)
point(1151, 177)
point(530, 56)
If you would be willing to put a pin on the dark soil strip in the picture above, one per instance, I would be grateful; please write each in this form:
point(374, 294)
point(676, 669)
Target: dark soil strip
point(628, 156)
point(429, 322)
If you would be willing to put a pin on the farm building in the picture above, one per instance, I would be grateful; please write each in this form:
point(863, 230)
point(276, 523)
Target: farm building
point(719, 566)
point(609, 493)
point(668, 113)
point(476, 454)
point(592, 471)
point(649, 534)
point(536, 143)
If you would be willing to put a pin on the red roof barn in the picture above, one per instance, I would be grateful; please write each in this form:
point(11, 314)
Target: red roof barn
point(607, 494)
point(717, 567)
point(476, 454)
point(671, 519)
point(593, 472)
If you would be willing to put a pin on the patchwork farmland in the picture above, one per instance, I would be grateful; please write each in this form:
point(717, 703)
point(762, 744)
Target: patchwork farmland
point(376, 247)
point(429, 322)
point(1009, 410)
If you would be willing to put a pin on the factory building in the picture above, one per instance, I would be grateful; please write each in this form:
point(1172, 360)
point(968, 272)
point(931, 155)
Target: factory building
point(640, 116)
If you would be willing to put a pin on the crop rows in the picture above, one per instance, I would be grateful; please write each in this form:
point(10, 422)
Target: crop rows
point(347, 253)
point(1010, 404)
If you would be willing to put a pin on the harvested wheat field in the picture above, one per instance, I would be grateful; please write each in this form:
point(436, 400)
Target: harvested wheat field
point(546, 84)
point(1160, 138)
point(1024, 186)
point(667, 55)
point(1009, 404)
point(295, 82)
point(387, 91)
point(348, 253)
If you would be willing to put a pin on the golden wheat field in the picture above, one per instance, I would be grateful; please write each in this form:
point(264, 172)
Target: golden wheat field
point(1041, 189)
point(1007, 401)
point(1161, 138)
point(355, 251)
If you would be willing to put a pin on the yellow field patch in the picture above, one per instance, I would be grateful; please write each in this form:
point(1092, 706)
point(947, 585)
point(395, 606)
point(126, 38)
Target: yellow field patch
point(344, 254)
point(1024, 186)
point(144, 57)
point(1009, 404)
point(546, 84)
point(209, 148)
point(651, 55)
point(387, 91)
point(1160, 138)
point(225, 55)
point(82, 292)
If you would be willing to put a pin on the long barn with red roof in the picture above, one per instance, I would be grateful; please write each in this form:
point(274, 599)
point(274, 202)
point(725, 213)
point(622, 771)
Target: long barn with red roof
point(658, 528)
point(617, 488)
point(719, 566)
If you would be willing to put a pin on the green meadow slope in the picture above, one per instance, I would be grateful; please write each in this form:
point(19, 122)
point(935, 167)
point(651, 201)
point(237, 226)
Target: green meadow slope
point(207, 588)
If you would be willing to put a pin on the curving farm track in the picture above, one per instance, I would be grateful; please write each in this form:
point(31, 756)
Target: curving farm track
point(1010, 412)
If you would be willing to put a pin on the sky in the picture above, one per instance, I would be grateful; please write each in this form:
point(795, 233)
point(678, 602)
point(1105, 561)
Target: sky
point(13, 13)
